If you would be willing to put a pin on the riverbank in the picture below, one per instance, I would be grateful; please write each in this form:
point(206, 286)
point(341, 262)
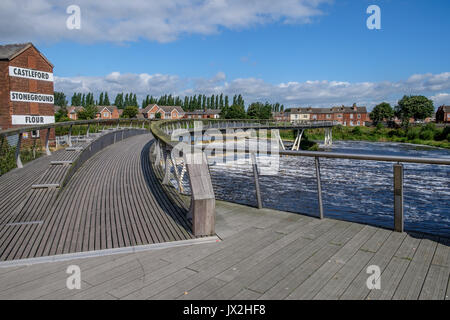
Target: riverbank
point(427, 135)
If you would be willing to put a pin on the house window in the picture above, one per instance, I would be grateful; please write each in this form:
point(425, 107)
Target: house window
point(351, 123)
point(359, 123)
point(339, 115)
point(314, 117)
point(328, 116)
point(167, 115)
point(448, 115)
point(359, 116)
point(351, 116)
point(105, 114)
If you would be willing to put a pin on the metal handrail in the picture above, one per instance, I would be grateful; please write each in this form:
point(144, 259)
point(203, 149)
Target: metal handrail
point(20, 131)
point(14, 131)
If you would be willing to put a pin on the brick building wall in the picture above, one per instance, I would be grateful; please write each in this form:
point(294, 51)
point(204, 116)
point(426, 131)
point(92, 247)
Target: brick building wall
point(30, 58)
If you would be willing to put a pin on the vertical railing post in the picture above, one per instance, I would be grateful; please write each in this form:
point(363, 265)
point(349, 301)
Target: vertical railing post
point(87, 132)
point(18, 160)
point(319, 187)
point(70, 136)
point(256, 177)
point(47, 138)
point(398, 198)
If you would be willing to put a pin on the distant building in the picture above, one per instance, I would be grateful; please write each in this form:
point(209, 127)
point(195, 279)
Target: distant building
point(107, 112)
point(443, 114)
point(346, 116)
point(281, 116)
point(203, 114)
point(166, 112)
point(72, 112)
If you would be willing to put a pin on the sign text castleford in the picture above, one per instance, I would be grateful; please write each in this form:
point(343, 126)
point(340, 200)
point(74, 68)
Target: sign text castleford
point(30, 74)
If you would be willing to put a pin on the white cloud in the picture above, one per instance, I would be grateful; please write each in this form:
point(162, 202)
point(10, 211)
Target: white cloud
point(441, 99)
point(318, 93)
point(131, 20)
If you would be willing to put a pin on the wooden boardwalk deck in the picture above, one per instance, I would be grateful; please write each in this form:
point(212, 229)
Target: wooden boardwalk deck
point(265, 254)
point(112, 201)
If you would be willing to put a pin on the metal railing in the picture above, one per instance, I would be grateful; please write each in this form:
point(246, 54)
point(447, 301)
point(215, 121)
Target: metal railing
point(169, 126)
point(164, 129)
point(71, 130)
point(398, 174)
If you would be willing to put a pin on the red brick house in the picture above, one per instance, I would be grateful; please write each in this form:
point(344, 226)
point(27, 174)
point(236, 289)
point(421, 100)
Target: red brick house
point(443, 114)
point(281, 116)
point(72, 112)
point(107, 112)
point(166, 112)
point(346, 116)
point(26, 87)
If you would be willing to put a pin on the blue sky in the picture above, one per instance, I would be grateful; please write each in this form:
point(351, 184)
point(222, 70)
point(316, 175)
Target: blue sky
point(311, 52)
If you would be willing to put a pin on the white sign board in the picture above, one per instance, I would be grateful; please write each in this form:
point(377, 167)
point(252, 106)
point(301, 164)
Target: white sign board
point(30, 74)
point(32, 120)
point(31, 97)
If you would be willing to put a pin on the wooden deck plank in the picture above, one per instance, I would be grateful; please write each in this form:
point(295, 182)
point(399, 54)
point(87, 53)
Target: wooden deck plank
point(414, 277)
point(435, 285)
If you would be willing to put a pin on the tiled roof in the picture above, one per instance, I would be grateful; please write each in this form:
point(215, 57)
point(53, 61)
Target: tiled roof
point(164, 108)
point(341, 109)
point(446, 108)
point(10, 51)
point(109, 108)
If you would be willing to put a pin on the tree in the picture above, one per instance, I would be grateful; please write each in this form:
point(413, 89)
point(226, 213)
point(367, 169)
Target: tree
point(233, 112)
point(60, 99)
point(88, 112)
point(100, 99)
point(381, 112)
point(258, 110)
point(119, 101)
point(61, 115)
point(158, 115)
point(130, 112)
point(416, 107)
point(106, 99)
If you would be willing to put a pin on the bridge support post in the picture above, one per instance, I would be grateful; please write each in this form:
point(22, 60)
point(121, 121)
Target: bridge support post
point(256, 177)
point(328, 137)
point(203, 202)
point(278, 138)
point(166, 179)
point(398, 198)
point(298, 139)
point(17, 155)
point(319, 187)
point(177, 174)
point(47, 138)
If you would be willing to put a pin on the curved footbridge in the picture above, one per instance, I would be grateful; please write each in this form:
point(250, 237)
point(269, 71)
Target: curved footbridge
point(107, 211)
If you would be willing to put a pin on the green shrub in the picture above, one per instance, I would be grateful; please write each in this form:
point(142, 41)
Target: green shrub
point(7, 158)
point(413, 133)
point(427, 134)
point(357, 131)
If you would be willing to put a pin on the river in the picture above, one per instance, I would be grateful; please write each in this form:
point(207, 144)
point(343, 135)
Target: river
point(353, 190)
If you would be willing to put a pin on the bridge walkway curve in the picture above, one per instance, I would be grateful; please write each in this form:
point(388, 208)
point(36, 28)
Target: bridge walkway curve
point(112, 201)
